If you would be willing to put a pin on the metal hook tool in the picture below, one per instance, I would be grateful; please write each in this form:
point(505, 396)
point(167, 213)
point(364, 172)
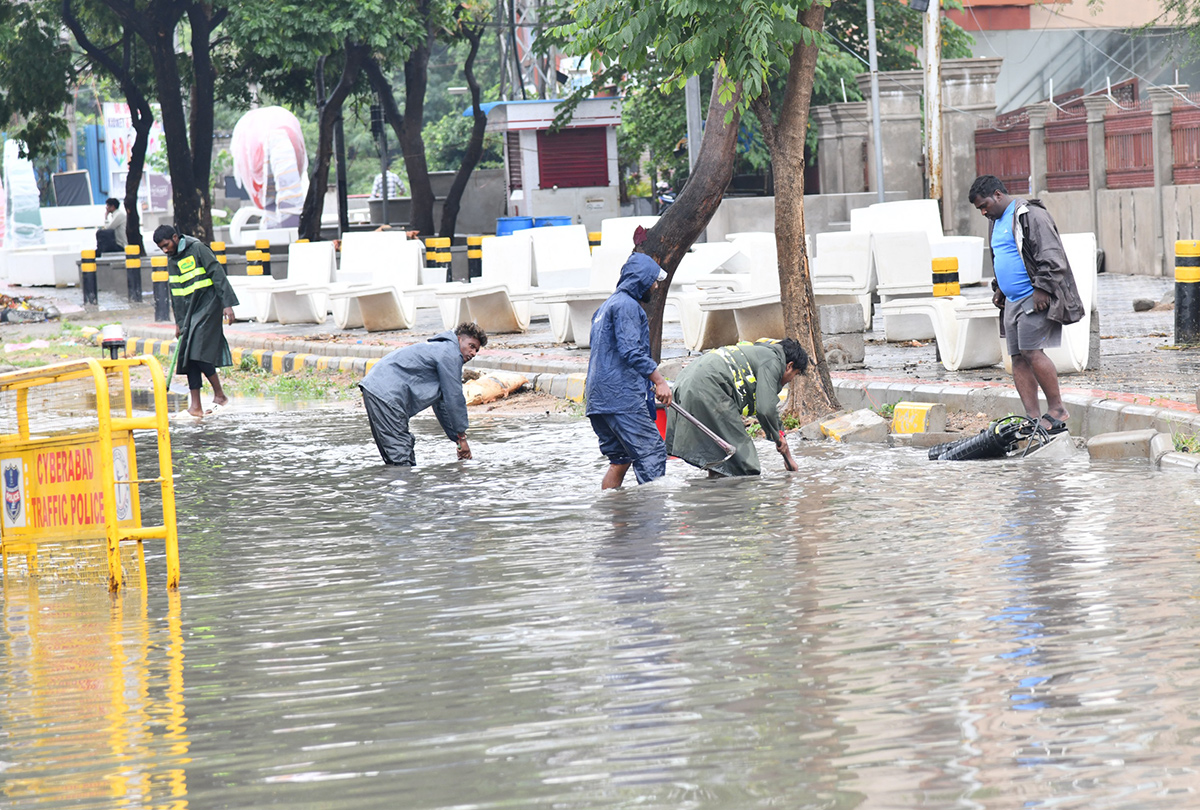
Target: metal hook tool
point(725, 446)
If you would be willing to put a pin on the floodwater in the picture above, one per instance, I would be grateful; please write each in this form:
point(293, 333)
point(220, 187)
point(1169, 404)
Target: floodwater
point(874, 631)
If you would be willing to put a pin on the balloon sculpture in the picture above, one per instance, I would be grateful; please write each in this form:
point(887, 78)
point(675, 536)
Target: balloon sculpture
point(271, 163)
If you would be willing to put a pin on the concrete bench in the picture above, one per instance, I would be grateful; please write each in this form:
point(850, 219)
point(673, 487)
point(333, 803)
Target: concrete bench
point(967, 330)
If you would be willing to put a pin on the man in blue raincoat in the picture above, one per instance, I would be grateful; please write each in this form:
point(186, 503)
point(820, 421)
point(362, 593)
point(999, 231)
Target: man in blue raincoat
point(623, 380)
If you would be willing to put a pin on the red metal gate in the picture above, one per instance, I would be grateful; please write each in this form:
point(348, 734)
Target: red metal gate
point(1002, 149)
point(1067, 149)
point(1129, 146)
point(1185, 142)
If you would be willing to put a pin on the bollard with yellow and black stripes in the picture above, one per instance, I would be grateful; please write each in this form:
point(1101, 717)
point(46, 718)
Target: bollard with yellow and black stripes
point(87, 277)
point(437, 254)
point(162, 289)
point(218, 249)
point(133, 273)
point(945, 277)
point(1187, 292)
point(474, 257)
point(593, 240)
point(254, 262)
point(264, 254)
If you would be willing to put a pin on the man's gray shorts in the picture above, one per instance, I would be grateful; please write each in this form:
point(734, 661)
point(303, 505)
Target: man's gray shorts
point(389, 426)
point(1026, 332)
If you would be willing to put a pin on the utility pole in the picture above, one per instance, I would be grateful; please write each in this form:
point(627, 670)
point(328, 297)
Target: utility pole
point(877, 128)
point(933, 99)
point(691, 95)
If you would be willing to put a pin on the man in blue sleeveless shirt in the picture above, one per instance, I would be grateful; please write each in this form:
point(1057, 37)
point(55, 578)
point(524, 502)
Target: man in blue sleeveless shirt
point(1035, 288)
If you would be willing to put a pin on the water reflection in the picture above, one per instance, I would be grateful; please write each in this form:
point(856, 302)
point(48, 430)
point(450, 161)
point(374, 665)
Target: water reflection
point(92, 706)
point(874, 631)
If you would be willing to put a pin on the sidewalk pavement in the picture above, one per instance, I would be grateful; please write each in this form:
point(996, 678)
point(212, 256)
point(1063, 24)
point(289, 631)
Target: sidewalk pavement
point(1134, 366)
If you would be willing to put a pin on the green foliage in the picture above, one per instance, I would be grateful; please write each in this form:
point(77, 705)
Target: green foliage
point(750, 41)
point(36, 75)
point(1185, 442)
point(446, 144)
point(653, 120)
point(898, 34)
point(254, 381)
point(653, 115)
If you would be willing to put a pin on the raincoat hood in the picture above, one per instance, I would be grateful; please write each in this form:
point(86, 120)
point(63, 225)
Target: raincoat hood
point(637, 275)
point(448, 336)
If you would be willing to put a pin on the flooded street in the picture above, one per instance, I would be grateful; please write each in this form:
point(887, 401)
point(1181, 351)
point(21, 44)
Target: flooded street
point(874, 631)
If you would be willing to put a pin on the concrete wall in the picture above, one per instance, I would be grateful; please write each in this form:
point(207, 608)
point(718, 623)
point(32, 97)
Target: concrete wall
point(1125, 230)
point(586, 205)
point(1181, 218)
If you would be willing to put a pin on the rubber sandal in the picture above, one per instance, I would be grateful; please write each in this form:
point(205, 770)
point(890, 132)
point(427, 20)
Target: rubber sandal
point(1056, 425)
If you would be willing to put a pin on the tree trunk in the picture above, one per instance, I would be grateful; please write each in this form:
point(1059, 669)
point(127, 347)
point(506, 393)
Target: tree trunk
point(474, 145)
point(412, 145)
point(675, 232)
point(140, 114)
point(203, 21)
point(314, 202)
point(139, 111)
point(811, 394)
point(188, 218)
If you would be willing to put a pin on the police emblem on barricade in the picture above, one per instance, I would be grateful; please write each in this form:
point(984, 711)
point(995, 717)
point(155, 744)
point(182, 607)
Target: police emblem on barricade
point(12, 491)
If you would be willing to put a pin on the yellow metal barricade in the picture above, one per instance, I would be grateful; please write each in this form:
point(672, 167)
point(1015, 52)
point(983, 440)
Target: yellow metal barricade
point(69, 465)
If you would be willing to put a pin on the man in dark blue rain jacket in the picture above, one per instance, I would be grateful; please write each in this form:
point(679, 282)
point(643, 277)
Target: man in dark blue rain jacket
point(413, 378)
point(623, 380)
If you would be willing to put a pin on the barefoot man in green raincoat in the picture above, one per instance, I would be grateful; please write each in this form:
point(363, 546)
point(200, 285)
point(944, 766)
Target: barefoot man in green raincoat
point(201, 299)
point(722, 387)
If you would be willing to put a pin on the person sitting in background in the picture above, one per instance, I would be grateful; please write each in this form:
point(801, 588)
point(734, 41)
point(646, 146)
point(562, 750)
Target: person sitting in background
point(111, 238)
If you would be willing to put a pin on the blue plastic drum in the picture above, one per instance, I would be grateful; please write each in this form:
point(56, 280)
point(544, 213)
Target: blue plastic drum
point(507, 225)
point(550, 222)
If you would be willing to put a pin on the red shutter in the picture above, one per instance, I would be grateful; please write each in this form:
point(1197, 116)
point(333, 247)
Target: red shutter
point(513, 141)
point(572, 158)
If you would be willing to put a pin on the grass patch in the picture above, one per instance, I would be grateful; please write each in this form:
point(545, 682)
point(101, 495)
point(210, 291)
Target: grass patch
point(32, 358)
point(754, 429)
point(1185, 442)
point(249, 380)
point(886, 411)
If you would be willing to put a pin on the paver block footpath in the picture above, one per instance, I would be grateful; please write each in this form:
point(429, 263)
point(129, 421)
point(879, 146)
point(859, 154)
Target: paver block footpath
point(861, 427)
point(919, 417)
point(1126, 444)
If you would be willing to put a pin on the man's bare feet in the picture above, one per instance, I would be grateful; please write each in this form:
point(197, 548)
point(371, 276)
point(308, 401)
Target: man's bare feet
point(220, 400)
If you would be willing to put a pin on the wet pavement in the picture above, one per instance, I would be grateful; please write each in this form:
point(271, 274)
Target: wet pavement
point(1136, 357)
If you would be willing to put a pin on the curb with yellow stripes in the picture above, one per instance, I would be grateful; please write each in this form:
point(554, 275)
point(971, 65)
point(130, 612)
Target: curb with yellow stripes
point(274, 362)
point(563, 386)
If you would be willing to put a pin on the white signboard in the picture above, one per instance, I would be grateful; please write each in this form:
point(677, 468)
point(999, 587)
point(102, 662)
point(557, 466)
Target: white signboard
point(119, 137)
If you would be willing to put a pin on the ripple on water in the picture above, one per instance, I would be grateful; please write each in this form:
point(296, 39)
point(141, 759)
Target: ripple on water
point(874, 630)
